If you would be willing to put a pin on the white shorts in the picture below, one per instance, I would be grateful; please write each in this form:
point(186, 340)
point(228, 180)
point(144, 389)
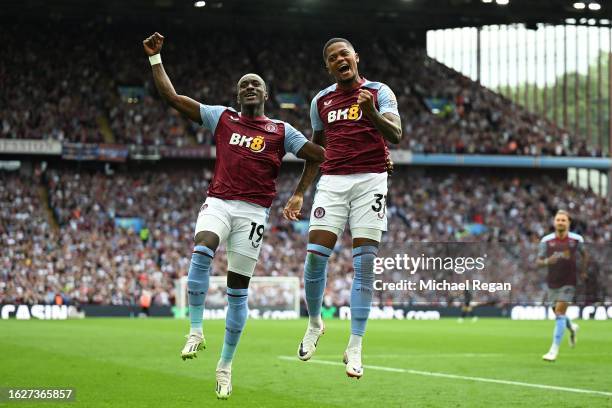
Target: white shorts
point(241, 224)
point(360, 199)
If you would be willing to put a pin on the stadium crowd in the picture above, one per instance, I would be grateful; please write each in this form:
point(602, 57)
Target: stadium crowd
point(88, 98)
point(43, 96)
point(79, 252)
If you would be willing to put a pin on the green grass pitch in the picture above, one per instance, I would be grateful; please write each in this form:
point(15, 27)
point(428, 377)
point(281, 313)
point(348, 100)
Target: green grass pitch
point(136, 363)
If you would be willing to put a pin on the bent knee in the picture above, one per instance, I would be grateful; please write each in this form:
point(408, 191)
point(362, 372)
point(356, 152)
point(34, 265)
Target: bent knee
point(208, 239)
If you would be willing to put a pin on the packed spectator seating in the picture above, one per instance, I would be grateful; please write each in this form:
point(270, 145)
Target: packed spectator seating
point(83, 255)
point(67, 93)
point(52, 89)
point(25, 235)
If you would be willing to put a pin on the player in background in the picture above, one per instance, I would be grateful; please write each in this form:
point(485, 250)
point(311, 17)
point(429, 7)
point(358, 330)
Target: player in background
point(352, 119)
point(467, 310)
point(145, 302)
point(250, 148)
point(557, 252)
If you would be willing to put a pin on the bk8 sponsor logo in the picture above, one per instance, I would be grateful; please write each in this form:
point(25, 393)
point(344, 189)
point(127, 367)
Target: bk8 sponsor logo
point(256, 144)
point(352, 113)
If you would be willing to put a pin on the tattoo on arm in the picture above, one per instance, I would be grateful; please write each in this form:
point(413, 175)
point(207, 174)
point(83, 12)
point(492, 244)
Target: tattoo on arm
point(389, 125)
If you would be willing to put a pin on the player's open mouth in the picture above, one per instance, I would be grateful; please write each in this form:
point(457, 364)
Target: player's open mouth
point(250, 95)
point(344, 68)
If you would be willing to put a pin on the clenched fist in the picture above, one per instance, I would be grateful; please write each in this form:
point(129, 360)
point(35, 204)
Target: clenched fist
point(153, 44)
point(366, 102)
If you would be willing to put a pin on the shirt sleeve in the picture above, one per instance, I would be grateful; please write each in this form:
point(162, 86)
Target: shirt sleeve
point(210, 116)
point(315, 119)
point(387, 102)
point(294, 139)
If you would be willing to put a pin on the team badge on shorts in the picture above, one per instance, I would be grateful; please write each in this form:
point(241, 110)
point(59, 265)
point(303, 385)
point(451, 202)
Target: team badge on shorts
point(319, 212)
point(271, 127)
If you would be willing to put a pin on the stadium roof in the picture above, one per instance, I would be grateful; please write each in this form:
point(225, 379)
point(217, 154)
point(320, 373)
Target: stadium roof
point(415, 15)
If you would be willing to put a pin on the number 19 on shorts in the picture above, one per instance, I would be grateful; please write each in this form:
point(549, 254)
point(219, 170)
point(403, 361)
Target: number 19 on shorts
point(256, 234)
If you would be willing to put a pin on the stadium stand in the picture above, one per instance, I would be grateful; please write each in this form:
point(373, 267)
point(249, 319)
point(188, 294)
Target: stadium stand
point(73, 101)
point(90, 259)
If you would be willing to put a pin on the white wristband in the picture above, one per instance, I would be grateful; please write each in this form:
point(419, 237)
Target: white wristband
point(155, 59)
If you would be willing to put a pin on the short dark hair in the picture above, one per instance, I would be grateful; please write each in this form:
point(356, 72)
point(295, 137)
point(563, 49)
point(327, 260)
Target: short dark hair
point(333, 41)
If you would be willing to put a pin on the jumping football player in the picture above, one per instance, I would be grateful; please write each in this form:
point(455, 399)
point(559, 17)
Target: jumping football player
point(352, 119)
point(557, 252)
point(250, 148)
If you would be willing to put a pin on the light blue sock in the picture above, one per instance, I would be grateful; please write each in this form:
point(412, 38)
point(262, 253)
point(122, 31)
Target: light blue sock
point(559, 330)
point(361, 291)
point(315, 277)
point(197, 283)
point(237, 312)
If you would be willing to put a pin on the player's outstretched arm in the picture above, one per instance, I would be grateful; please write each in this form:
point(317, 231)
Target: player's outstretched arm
point(314, 154)
point(388, 124)
point(185, 105)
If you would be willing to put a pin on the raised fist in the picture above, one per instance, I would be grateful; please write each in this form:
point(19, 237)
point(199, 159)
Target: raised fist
point(153, 44)
point(365, 99)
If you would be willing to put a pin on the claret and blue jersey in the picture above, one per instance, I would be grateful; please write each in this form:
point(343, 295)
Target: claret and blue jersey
point(249, 153)
point(564, 271)
point(353, 144)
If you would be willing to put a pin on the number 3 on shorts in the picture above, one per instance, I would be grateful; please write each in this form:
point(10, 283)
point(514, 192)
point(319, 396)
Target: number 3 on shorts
point(256, 234)
point(379, 203)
